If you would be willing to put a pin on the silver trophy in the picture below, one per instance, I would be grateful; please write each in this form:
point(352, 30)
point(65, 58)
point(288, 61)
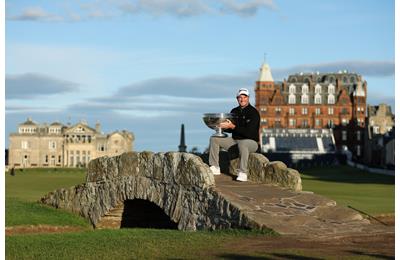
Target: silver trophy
point(212, 120)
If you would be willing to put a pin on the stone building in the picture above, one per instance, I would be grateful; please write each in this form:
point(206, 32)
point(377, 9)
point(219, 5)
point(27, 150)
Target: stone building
point(379, 142)
point(58, 145)
point(334, 101)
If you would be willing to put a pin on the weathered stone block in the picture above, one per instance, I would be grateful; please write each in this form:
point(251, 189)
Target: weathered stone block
point(261, 170)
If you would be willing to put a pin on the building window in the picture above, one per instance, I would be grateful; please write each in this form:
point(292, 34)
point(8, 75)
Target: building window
point(84, 157)
point(317, 99)
point(345, 121)
point(358, 150)
point(59, 159)
point(318, 89)
point(317, 111)
point(101, 147)
point(304, 123)
point(263, 109)
point(292, 99)
point(331, 99)
point(277, 110)
point(292, 89)
point(330, 111)
point(78, 158)
point(344, 135)
point(358, 135)
point(317, 122)
point(24, 144)
point(52, 145)
point(71, 158)
point(291, 111)
point(304, 89)
point(263, 120)
point(331, 89)
point(330, 123)
point(46, 159)
point(304, 111)
point(292, 122)
point(304, 99)
point(359, 122)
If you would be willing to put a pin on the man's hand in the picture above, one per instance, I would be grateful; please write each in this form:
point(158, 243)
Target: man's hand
point(227, 125)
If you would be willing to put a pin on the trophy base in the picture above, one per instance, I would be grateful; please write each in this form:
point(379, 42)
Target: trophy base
point(219, 135)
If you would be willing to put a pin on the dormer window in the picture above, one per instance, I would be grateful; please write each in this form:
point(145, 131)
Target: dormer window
point(331, 89)
point(304, 89)
point(318, 89)
point(292, 89)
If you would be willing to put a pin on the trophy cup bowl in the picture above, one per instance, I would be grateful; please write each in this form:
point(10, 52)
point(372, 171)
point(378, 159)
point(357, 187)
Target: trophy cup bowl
point(212, 120)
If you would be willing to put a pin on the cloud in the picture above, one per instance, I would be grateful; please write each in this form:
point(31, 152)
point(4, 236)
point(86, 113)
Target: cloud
point(29, 109)
point(34, 85)
point(364, 68)
point(208, 86)
point(116, 8)
point(35, 14)
point(248, 8)
point(178, 8)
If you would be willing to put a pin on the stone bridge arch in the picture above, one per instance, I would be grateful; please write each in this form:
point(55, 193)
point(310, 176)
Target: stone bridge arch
point(178, 183)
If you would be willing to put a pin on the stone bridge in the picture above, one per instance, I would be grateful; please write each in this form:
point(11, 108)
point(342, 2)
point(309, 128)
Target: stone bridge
point(178, 190)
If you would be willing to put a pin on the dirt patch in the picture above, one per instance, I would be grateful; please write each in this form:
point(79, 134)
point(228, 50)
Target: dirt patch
point(388, 219)
point(381, 246)
point(41, 229)
point(376, 246)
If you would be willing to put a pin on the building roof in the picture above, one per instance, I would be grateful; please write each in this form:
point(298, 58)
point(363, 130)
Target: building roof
point(265, 73)
point(56, 124)
point(29, 121)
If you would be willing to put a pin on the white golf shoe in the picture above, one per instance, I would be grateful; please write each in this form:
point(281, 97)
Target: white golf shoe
point(241, 176)
point(215, 170)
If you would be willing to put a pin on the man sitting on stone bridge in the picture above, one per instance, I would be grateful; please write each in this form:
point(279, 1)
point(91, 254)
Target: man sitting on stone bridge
point(245, 134)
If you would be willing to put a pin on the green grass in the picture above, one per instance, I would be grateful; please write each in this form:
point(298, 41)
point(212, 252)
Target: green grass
point(368, 192)
point(32, 184)
point(27, 187)
point(20, 212)
point(123, 244)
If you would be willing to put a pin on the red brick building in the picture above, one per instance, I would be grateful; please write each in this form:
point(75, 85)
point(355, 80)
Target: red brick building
point(315, 101)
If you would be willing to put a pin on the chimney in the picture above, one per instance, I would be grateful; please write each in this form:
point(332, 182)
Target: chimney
point(182, 145)
point(98, 127)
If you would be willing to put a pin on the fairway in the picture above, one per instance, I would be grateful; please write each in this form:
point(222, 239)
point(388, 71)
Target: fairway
point(368, 192)
point(32, 184)
point(27, 187)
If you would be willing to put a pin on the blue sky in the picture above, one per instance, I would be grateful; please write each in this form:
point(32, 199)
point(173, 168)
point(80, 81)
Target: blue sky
point(149, 66)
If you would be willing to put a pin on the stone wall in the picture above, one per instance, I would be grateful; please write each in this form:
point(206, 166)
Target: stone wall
point(179, 183)
point(261, 170)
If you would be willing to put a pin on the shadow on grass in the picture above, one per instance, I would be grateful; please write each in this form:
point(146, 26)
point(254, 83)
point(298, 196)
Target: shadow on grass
point(346, 174)
point(378, 256)
point(284, 256)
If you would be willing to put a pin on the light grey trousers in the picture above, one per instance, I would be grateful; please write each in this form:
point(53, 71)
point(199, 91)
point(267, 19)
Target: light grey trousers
point(246, 146)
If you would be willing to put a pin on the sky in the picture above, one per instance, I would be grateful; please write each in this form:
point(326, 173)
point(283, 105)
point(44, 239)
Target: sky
point(148, 66)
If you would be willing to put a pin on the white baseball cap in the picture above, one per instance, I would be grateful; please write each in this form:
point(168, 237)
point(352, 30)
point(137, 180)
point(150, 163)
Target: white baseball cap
point(243, 91)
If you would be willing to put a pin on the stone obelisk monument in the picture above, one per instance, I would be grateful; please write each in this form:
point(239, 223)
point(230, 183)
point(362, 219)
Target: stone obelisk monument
point(182, 145)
